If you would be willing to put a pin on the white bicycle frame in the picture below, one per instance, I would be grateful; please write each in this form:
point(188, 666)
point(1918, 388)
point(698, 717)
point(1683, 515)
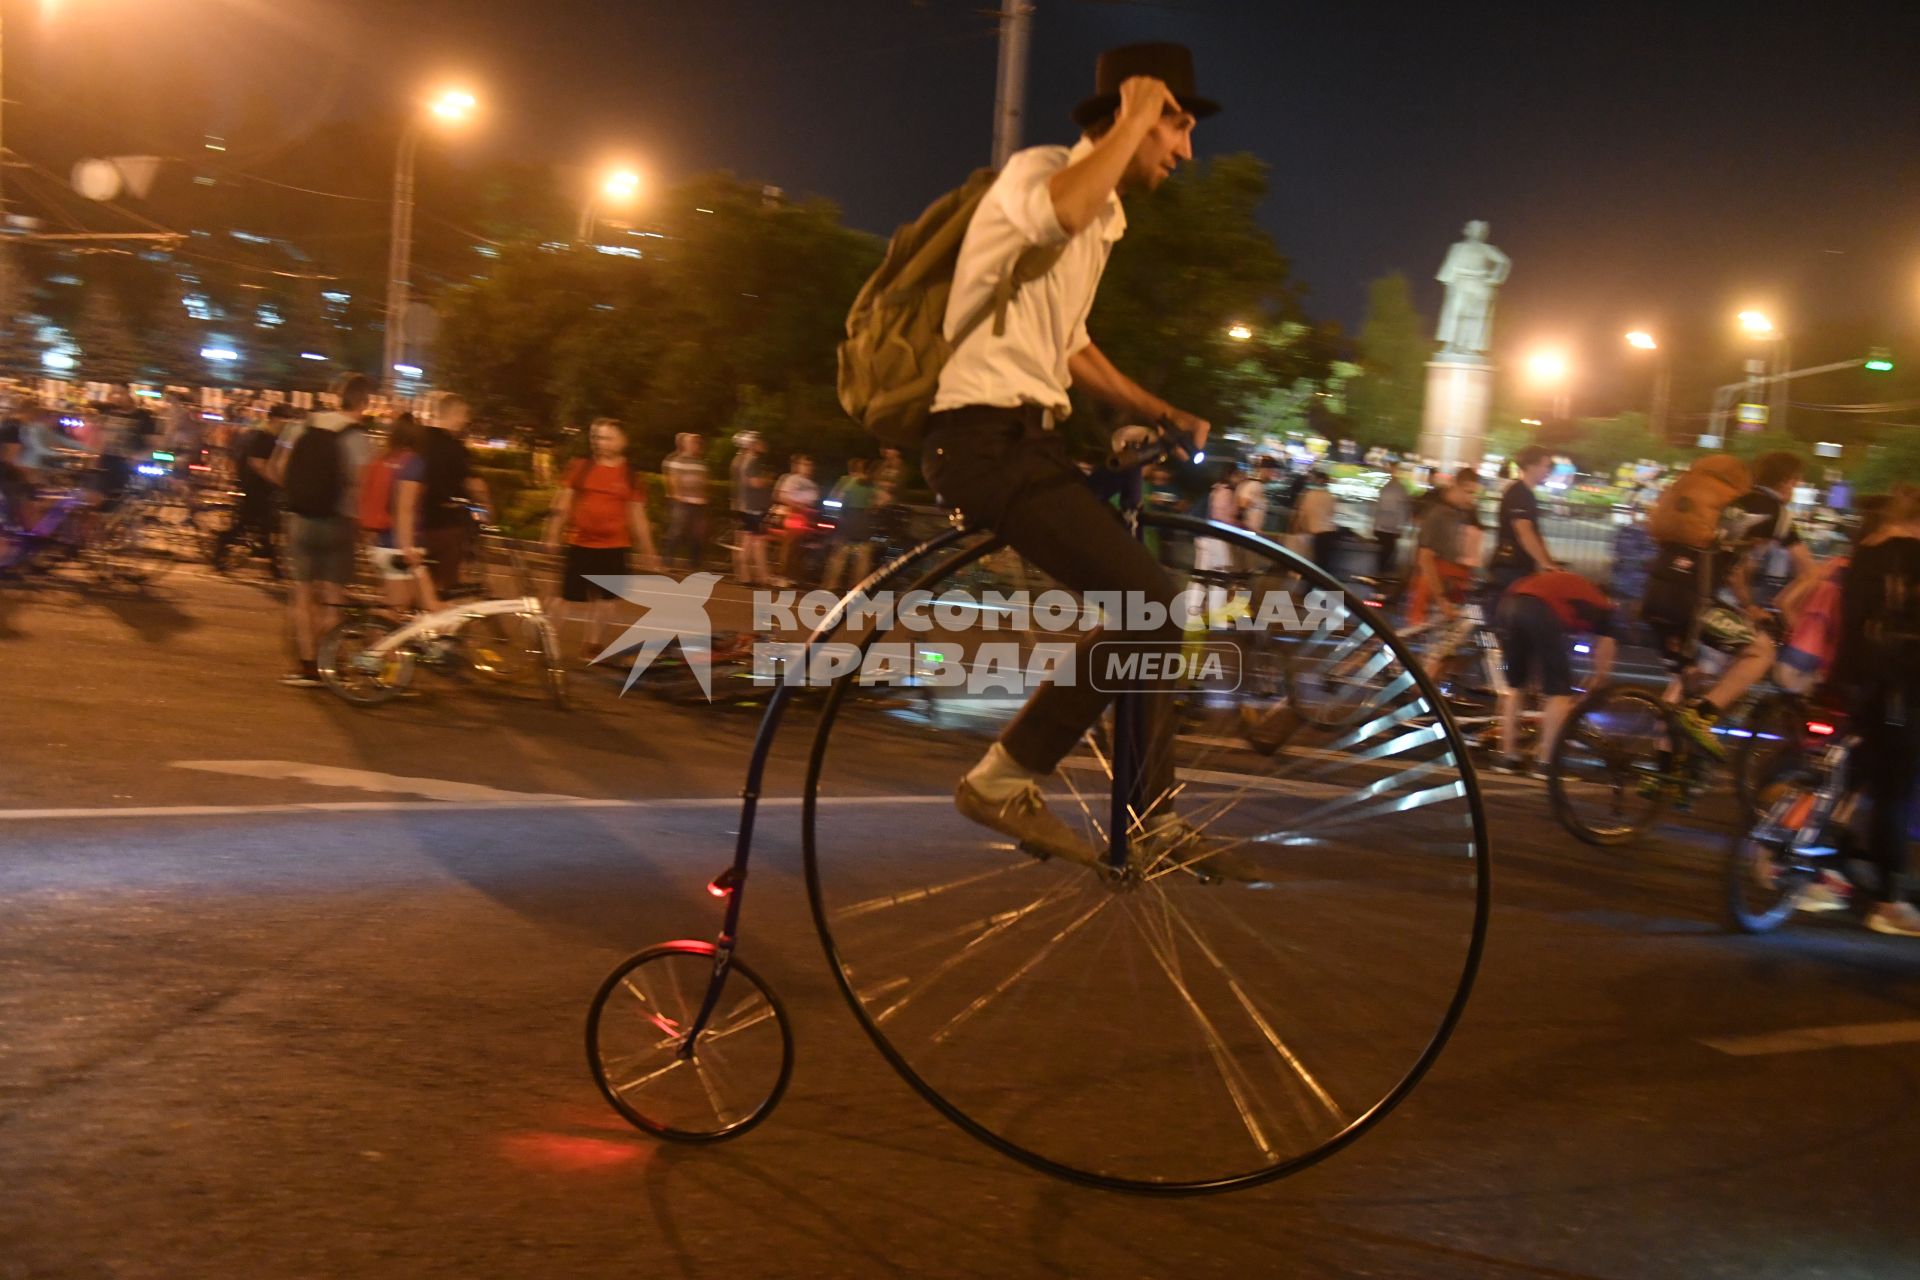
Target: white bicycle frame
point(450, 620)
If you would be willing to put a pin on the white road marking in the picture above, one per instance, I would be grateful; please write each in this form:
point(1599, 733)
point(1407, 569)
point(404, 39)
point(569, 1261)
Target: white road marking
point(439, 806)
point(321, 775)
point(1807, 1039)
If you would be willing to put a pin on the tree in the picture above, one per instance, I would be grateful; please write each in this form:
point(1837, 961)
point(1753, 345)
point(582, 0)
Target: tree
point(19, 341)
point(1894, 458)
point(1600, 445)
point(1195, 261)
point(1388, 396)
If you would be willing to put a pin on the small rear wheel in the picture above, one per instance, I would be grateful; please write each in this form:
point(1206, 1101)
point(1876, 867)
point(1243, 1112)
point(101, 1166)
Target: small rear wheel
point(1766, 872)
point(1606, 780)
point(727, 1080)
point(1776, 738)
point(351, 666)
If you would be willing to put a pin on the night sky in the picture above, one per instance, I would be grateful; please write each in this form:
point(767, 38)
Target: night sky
point(1643, 167)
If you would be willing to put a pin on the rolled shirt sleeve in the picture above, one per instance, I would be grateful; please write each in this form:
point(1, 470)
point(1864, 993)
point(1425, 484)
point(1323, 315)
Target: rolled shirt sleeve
point(1027, 200)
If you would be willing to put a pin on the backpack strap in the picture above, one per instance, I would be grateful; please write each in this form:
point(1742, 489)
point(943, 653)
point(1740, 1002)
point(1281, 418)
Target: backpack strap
point(1034, 261)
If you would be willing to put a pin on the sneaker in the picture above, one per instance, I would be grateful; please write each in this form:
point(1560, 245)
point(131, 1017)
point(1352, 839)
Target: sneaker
point(1267, 729)
point(1175, 843)
point(1895, 917)
point(305, 676)
point(1699, 729)
point(1024, 816)
point(1519, 768)
point(1830, 892)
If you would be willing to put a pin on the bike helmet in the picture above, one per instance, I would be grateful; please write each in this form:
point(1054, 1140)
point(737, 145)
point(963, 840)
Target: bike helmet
point(1725, 629)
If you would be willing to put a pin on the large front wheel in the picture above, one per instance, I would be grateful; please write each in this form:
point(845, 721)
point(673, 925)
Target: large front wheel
point(1278, 959)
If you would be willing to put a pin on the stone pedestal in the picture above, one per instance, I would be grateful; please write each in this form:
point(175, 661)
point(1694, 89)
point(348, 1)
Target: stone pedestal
point(1453, 425)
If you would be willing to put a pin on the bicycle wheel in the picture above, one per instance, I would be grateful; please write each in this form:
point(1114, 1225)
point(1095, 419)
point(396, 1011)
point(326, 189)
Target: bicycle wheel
point(1159, 1029)
point(1606, 780)
point(1765, 870)
point(1776, 733)
point(363, 678)
point(720, 1087)
point(555, 669)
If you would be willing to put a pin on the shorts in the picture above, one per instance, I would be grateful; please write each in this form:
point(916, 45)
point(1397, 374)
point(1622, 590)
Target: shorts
point(1536, 644)
point(1668, 608)
point(321, 548)
point(752, 523)
point(585, 562)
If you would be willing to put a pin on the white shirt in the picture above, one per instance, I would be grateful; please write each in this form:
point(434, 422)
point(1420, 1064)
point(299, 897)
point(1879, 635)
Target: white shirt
point(1252, 499)
point(1047, 319)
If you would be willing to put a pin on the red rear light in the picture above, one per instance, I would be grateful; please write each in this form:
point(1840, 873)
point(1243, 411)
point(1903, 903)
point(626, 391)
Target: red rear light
point(1819, 728)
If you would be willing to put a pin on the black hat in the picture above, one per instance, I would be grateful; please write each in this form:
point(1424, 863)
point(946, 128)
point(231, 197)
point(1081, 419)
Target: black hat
point(1172, 63)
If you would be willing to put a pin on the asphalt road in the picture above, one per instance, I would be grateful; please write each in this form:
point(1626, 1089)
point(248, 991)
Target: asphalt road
point(291, 989)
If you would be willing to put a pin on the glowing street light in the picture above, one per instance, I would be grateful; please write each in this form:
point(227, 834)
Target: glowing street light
point(1642, 340)
point(617, 186)
point(1756, 323)
point(1240, 333)
point(1548, 368)
point(452, 106)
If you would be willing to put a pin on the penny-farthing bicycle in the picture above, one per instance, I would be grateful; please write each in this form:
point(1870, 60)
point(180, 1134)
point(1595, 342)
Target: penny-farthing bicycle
point(1144, 1025)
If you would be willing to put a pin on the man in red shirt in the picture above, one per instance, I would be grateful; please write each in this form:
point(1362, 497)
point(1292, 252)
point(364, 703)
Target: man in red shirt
point(1537, 618)
point(601, 508)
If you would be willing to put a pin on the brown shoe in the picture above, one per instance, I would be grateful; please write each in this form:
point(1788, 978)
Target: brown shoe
point(1026, 819)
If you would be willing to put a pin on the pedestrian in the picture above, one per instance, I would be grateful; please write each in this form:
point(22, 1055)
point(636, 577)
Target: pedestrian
point(890, 472)
point(256, 517)
point(1448, 548)
point(1316, 534)
point(1519, 548)
point(1879, 668)
point(393, 535)
point(601, 513)
point(752, 496)
point(684, 475)
point(1392, 509)
point(448, 483)
point(852, 503)
point(1250, 498)
point(795, 515)
point(317, 464)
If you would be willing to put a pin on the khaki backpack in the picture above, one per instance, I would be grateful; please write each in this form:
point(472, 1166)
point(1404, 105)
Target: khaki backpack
point(890, 363)
point(1688, 513)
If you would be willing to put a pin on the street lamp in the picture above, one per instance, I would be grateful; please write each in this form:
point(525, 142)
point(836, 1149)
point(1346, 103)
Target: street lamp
point(1549, 369)
point(451, 107)
point(1641, 340)
point(1239, 333)
point(1756, 323)
point(618, 187)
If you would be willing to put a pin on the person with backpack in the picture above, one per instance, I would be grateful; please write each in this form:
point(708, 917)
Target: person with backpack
point(317, 464)
point(1032, 243)
point(1708, 526)
point(1879, 667)
point(601, 510)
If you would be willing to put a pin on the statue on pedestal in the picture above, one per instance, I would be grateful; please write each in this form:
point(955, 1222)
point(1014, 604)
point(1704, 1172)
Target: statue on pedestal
point(1472, 271)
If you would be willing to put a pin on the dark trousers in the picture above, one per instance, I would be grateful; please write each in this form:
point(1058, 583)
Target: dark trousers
point(446, 549)
point(1888, 764)
point(1389, 563)
point(1008, 474)
point(686, 533)
point(253, 519)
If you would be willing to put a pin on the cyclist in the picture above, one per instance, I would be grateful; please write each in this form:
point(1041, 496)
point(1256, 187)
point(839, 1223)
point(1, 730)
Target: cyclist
point(1448, 548)
point(601, 510)
point(1879, 661)
point(1695, 597)
point(1518, 547)
point(991, 450)
point(1538, 617)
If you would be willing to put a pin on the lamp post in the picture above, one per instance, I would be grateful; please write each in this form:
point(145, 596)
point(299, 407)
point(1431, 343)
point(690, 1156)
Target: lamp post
point(619, 186)
point(453, 106)
point(1641, 340)
point(1759, 326)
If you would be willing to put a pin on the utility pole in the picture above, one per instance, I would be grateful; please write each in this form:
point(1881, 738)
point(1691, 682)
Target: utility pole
point(1010, 94)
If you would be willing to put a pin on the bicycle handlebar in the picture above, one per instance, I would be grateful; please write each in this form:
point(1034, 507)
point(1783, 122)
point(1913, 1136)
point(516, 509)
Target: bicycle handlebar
point(1170, 440)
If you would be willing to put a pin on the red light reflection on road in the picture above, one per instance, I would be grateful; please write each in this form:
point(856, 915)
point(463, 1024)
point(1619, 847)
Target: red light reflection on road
point(568, 1153)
